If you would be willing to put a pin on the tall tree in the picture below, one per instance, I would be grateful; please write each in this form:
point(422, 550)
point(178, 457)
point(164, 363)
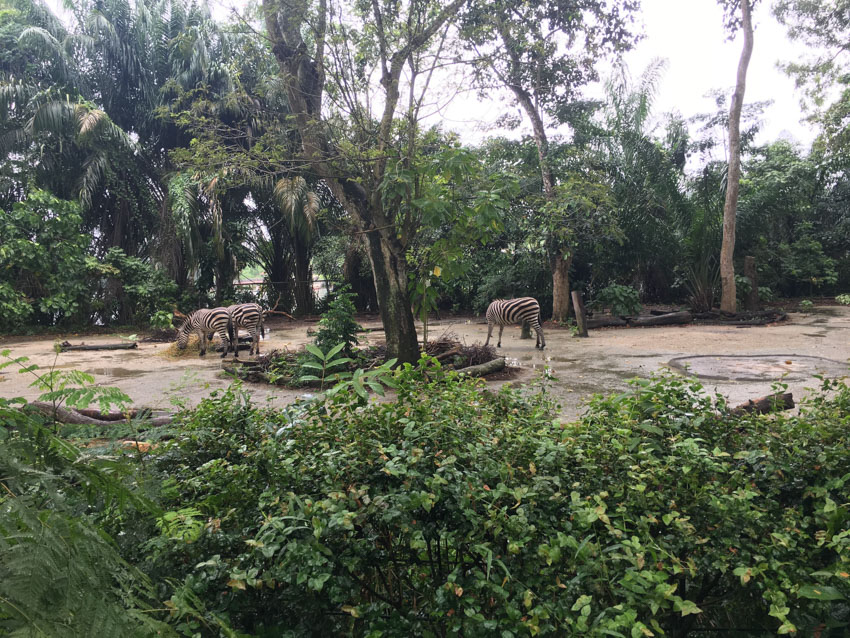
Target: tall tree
point(728, 299)
point(544, 52)
point(824, 27)
point(325, 51)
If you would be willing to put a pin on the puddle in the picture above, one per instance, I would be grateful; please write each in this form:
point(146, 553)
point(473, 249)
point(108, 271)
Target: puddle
point(118, 373)
point(767, 367)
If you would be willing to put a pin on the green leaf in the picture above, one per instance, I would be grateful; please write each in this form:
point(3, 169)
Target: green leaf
point(315, 351)
point(820, 592)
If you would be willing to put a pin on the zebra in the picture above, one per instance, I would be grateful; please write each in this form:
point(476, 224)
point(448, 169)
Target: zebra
point(206, 321)
point(509, 311)
point(250, 317)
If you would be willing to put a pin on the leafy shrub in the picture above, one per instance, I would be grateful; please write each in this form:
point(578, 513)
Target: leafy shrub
point(453, 511)
point(337, 325)
point(162, 320)
point(843, 299)
point(806, 305)
point(42, 261)
point(622, 300)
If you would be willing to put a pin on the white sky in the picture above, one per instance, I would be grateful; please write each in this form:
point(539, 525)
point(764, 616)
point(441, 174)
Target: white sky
point(689, 34)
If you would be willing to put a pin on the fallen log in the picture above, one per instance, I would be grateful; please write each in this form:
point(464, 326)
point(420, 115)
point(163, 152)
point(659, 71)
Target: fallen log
point(65, 346)
point(604, 322)
point(65, 415)
point(484, 368)
point(763, 405)
point(113, 416)
point(671, 318)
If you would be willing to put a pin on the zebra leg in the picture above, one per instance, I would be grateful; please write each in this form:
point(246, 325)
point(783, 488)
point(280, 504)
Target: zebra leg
point(541, 340)
point(489, 333)
point(501, 329)
point(203, 344)
point(225, 341)
point(256, 342)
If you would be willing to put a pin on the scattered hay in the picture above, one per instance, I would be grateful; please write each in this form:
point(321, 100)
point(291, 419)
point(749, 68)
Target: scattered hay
point(193, 349)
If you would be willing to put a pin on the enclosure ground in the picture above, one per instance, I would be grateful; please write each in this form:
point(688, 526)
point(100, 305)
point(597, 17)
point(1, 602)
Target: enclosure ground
point(749, 359)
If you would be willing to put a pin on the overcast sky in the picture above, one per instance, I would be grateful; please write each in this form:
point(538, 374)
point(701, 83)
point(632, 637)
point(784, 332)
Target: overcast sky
point(689, 34)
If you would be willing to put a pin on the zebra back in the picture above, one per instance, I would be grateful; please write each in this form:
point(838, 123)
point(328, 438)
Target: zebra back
point(504, 312)
point(246, 315)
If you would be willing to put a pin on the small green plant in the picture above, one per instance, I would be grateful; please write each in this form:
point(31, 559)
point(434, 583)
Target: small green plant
point(622, 300)
point(337, 325)
point(73, 388)
point(323, 363)
point(161, 320)
point(766, 294)
point(806, 305)
point(375, 378)
point(843, 299)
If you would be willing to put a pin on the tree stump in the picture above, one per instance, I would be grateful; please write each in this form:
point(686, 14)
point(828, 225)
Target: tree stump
point(751, 303)
point(581, 314)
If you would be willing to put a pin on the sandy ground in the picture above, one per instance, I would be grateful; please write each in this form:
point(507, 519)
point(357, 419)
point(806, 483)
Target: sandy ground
point(739, 362)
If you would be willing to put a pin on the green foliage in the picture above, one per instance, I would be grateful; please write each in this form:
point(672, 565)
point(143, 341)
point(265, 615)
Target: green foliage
point(48, 277)
point(806, 305)
point(843, 299)
point(622, 300)
point(162, 320)
point(337, 325)
point(42, 261)
point(322, 363)
point(805, 261)
point(455, 511)
point(60, 572)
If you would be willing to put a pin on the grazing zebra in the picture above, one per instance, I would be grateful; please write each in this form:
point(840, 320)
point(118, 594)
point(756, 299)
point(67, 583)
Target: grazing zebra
point(206, 321)
point(509, 311)
point(250, 317)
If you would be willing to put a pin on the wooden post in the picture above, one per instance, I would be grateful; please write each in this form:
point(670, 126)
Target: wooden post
point(581, 315)
point(752, 301)
point(526, 331)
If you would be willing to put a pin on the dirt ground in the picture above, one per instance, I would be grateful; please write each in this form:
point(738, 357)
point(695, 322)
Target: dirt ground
point(739, 362)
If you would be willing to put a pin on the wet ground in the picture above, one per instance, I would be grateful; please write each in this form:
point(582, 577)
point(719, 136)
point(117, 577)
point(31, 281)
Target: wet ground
point(740, 362)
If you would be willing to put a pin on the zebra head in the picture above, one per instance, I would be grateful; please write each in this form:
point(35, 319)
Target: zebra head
point(183, 334)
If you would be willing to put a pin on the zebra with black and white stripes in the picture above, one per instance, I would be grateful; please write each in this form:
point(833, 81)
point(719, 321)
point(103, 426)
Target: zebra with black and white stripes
point(250, 317)
point(207, 321)
point(504, 312)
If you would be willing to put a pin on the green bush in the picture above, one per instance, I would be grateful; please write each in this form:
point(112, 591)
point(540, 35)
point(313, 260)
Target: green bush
point(337, 325)
point(454, 511)
point(622, 300)
point(843, 299)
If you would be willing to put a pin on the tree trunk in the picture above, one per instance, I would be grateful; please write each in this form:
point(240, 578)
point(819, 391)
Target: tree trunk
point(390, 273)
point(765, 405)
point(303, 279)
point(560, 287)
point(728, 301)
